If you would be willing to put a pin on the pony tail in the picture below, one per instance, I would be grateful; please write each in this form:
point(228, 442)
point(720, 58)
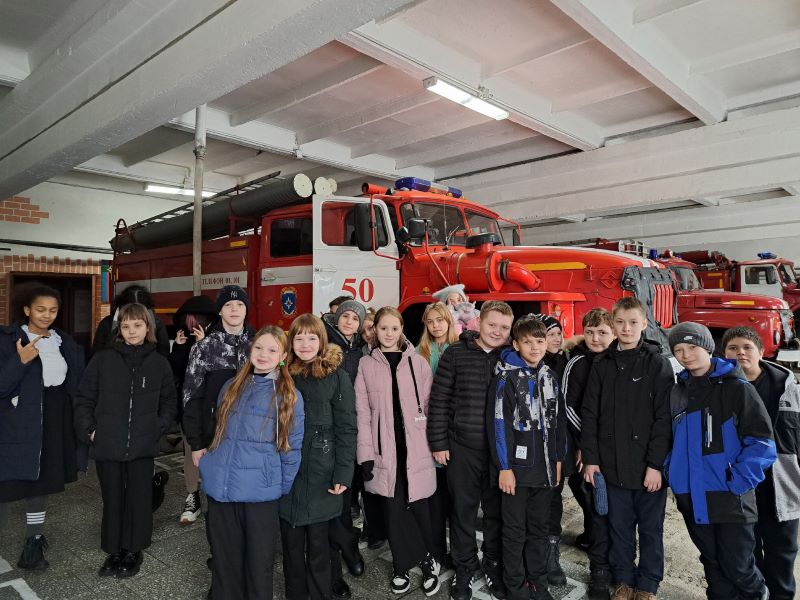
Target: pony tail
point(288, 394)
point(229, 400)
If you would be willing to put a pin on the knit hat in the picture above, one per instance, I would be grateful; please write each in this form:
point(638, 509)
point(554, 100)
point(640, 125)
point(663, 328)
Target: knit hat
point(691, 333)
point(353, 306)
point(232, 292)
point(443, 294)
point(549, 322)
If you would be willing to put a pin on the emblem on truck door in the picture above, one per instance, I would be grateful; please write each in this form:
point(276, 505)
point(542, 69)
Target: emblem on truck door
point(288, 301)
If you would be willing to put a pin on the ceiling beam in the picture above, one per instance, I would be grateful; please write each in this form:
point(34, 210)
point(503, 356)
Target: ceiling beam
point(338, 76)
point(615, 88)
point(152, 143)
point(79, 105)
point(480, 143)
point(420, 54)
point(373, 114)
point(650, 55)
point(271, 138)
point(793, 189)
point(13, 66)
point(219, 158)
point(461, 120)
point(748, 52)
point(560, 46)
point(652, 9)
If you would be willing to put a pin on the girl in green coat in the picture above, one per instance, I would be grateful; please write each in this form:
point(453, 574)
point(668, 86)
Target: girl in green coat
point(309, 514)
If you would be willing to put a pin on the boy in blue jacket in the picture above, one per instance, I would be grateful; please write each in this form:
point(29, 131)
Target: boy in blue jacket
point(529, 446)
point(722, 445)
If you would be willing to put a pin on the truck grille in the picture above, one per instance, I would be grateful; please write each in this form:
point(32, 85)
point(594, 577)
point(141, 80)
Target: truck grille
point(663, 302)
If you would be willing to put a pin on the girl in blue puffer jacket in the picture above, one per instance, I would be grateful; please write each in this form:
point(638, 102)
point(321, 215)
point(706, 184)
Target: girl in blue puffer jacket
point(251, 463)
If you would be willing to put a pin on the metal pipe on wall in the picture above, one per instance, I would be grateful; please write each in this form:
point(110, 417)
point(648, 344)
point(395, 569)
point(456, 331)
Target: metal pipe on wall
point(197, 217)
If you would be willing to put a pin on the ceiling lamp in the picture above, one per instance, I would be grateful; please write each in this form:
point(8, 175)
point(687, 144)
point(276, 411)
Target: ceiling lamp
point(163, 189)
point(459, 96)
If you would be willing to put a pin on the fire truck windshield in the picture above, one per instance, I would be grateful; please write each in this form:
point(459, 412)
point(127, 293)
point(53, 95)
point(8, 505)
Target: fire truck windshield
point(687, 280)
point(786, 274)
point(447, 222)
point(479, 223)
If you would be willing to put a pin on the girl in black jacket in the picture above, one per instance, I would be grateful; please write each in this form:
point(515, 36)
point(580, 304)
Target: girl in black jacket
point(40, 367)
point(125, 402)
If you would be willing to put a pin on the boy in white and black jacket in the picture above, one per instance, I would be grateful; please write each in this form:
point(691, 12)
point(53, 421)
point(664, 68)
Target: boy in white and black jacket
point(528, 445)
point(778, 496)
point(722, 445)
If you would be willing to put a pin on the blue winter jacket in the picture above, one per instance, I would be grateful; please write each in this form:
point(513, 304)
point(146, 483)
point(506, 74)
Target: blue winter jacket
point(247, 466)
point(722, 443)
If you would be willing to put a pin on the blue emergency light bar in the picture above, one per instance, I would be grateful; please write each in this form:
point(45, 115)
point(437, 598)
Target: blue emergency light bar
point(423, 185)
point(767, 255)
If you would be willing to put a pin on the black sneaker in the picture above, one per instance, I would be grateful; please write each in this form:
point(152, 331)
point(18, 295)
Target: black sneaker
point(129, 566)
point(555, 574)
point(430, 575)
point(191, 508)
point(584, 541)
point(340, 589)
point(539, 591)
point(111, 565)
point(32, 557)
point(493, 574)
point(461, 587)
point(401, 583)
point(599, 582)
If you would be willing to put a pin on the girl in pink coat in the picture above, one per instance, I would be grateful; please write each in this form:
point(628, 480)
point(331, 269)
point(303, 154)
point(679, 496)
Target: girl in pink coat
point(392, 390)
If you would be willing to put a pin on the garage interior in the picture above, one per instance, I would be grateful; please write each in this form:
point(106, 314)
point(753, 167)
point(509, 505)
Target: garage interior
point(675, 123)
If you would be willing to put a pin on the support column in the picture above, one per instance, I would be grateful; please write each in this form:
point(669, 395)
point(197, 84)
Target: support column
point(197, 217)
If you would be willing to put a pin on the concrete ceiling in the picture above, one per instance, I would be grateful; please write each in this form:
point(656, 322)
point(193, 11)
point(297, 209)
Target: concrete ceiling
point(109, 87)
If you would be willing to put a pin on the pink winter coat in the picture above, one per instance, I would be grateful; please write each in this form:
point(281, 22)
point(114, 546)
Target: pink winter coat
point(376, 439)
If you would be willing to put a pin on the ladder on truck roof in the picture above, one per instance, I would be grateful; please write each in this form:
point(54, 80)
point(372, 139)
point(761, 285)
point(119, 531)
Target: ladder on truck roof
point(222, 196)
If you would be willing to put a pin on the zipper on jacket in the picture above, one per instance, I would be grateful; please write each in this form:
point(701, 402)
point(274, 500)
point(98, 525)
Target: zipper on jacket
point(380, 447)
point(130, 412)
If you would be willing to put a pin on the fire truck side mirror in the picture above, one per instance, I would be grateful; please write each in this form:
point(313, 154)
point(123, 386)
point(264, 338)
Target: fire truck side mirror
point(416, 228)
point(364, 226)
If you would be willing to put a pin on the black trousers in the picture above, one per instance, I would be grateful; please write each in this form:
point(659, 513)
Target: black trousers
point(598, 551)
point(127, 490)
point(726, 552)
point(342, 537)
point(306, 561)
point(776, 545)
point(468, 477)
point(526, 520)
point(409, 528)
point(440, 506)
point(243, 536)
point(627, 510)
point(556, 510)
point(583, 493)
point(374, 522)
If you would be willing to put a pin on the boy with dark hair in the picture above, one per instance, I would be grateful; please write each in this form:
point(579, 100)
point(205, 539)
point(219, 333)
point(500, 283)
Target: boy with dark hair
point(625, 434)
point(598, 335)
point(333, 305)
point(460, 387)
point(723, 443)
point(528, 428)
point(778, 496)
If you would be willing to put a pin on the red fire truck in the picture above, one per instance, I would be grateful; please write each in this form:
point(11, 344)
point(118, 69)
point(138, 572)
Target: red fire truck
point(719, 309)
point(387, 247)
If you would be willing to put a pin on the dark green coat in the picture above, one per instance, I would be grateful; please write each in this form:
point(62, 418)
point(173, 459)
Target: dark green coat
point(329, 443)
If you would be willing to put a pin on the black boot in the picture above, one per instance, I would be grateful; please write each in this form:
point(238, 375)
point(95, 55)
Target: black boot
point(555, 574)
point(131, 561)
point(538, 590)
point(461, 586)
point(493, 574)
point(599, 582)
point(32, 557)
point(340, 589)
point(111, 564)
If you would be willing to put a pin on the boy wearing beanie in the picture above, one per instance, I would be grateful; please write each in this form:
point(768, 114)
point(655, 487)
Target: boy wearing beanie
point(722, 445)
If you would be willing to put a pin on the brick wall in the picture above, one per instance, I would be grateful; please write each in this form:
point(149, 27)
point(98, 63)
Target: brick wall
point(31, 264)
point(18, 209)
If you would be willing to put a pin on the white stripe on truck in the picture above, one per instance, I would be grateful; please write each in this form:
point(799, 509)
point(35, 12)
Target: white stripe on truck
point(211, 281)
point(283, 275)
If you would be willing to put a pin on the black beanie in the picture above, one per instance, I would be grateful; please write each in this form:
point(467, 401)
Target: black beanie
point(232, 292)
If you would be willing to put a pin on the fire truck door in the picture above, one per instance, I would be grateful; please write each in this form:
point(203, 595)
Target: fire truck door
point(340, 268)
point(760, 279)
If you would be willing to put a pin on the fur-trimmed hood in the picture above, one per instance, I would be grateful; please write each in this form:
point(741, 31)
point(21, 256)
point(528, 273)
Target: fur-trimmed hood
point(321, 366)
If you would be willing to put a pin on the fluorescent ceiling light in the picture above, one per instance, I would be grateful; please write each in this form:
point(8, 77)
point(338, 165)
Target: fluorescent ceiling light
point(163, 189)
point(459, 96)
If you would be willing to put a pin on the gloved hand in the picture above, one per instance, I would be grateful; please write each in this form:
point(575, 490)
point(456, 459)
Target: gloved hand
point(366, 469)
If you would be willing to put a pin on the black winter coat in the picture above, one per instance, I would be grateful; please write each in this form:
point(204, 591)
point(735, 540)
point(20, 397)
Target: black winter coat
point(625, 420)
point(105, 336)
point(212, 361)
point(352, 351)
point(460, 395)
point(127, 397)
point(21, 426)
point(328, 455)
point(573, 384)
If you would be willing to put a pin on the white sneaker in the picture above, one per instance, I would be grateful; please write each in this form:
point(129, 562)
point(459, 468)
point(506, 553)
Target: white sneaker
point(430, 575)
point(401, 583)
point(191, 508)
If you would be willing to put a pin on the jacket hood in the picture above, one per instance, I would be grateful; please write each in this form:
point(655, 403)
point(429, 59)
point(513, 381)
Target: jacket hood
point(721, 368)
point(321, 366)
point(335, 336)
point(470, 339)
point(510, 360)
point(128, 350)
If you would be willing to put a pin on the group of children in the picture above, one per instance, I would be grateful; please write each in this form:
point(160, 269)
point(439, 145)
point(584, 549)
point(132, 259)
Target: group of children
point(285, 428)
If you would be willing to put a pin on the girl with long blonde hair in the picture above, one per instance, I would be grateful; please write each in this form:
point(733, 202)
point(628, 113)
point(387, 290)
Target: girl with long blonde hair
point(251, 463)
point(439, 333)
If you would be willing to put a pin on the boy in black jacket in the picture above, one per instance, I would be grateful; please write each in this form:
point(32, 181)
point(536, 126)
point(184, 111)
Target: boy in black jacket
point(778, 496)
point(529, 444)
point(458, 439)
point(598, 335)
point(625, 434)
point(723, 444)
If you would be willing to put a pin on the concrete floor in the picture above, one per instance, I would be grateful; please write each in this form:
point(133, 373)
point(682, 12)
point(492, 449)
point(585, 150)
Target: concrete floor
point(174, 566)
